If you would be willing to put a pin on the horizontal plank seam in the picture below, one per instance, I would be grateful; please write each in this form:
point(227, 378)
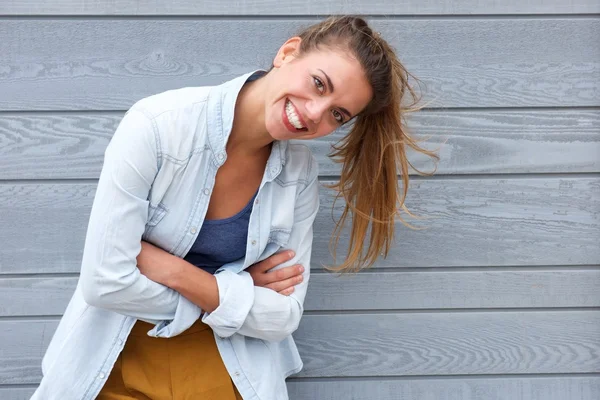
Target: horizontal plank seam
point(35, 275)
point(395, 378)
point(504, 175)
point(326, 178)
point(424, 110)
point(445, 377)
point(374, 270)
point(62, 181)
point(330, 313)
point(451, 310)
point(511, 268)
point(31, 318)
point(288, 17)
point(18, 386)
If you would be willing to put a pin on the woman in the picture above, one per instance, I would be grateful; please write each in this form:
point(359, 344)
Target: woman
point(208, 175)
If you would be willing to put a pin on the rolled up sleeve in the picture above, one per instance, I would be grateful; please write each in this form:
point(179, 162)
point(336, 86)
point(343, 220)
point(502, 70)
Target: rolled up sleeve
point(260, 312)
point(110, 278)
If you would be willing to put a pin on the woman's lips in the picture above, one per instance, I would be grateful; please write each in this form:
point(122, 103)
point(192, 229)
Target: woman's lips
point(287, 122)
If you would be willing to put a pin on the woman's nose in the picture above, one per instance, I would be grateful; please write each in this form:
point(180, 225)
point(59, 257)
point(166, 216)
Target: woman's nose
point(315, 110)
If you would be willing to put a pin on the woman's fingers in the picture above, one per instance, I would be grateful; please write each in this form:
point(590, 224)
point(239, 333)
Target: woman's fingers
point(284, 274)
point(281, 286)
point(287, 291)
point(281, 280)
point(276, 259)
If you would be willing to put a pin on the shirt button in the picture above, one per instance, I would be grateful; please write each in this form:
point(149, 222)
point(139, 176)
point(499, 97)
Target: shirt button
point(237, 373)
point(221, 156)
point(254, 243)
point(193, 230)
point(256, 201)
point(206, 192)
point(101, 375)
point(120, 342)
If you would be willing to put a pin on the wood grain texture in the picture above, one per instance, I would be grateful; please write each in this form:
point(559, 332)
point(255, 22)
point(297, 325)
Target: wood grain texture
point(108, 64)
point(71, 146)
point(392, 344)
point(60, 146)
point(477, 142)
point(513, 388)
point(292, 7)
point(11, 393)
point(37, 296)
point(23, 346)
point(485, 222)
point(456, 289)
point(449, 343)
point(470, 222)
point(522, 388)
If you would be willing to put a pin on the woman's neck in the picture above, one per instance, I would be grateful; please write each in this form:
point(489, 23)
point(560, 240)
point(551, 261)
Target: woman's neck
point(249, 135)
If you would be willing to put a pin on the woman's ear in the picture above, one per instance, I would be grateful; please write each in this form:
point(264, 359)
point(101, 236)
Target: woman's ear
point(287, 52)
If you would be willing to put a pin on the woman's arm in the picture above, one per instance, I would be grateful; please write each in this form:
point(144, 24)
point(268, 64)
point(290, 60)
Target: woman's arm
point(200, 287)
point(110, 278)
point(263, 313)
point(254, 302)
point(195, 284)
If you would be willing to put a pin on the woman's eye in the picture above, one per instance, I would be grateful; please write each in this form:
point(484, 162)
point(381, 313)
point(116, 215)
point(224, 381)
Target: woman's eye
point(319, 85)
point(338, 116)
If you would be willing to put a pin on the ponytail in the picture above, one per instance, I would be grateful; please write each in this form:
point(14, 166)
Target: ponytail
point(374, 152)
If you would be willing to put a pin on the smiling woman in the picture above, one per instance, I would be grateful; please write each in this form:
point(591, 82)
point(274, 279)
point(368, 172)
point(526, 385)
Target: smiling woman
point(314, 93)
point(197, 255)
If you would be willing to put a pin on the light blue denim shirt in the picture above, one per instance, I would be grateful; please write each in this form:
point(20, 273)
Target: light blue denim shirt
point(155, 185)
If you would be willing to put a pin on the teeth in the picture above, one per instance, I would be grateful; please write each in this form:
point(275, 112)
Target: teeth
point(292, 116)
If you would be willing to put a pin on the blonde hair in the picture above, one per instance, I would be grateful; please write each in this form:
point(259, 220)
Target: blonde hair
point(374, 151)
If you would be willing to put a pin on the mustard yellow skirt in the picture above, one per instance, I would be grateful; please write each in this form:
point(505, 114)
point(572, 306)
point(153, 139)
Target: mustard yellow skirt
point(187, 366)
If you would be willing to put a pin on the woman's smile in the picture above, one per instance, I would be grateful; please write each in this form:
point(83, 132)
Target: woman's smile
point(292, 119)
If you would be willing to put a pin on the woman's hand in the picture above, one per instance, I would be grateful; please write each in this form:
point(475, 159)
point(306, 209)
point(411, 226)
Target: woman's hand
point(282, 280)
point(157, 264)
point(161, 266)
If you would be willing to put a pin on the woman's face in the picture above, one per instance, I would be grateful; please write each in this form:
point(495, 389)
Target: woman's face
point(312, 95)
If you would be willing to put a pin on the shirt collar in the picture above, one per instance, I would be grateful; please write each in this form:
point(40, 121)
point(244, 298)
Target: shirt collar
point(221, 107)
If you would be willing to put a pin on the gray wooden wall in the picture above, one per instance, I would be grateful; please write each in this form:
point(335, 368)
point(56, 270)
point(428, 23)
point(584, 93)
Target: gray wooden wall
point(498, 299)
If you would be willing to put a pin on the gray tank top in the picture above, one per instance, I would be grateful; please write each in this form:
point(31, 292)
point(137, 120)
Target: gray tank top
point(221, 241)
point(224, 240)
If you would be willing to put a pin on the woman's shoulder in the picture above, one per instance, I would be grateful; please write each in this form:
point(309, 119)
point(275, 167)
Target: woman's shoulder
point(176, 117)
point(300, 162)
point(173, 101)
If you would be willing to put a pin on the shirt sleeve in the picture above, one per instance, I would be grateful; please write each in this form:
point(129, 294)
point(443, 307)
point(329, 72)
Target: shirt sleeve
point(260, 312)
point(109, 277)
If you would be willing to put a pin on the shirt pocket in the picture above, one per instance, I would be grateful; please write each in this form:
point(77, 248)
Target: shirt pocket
point(156, 213)
point(277, 241)
point(279, 236)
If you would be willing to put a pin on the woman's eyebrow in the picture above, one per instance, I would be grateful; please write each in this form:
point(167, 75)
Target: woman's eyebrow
point(330, 84)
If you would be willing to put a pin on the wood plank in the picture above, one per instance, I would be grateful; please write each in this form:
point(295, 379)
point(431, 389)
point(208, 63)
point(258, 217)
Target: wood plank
point(107, 64)
point(23, 346)
point(35, 296)
point(19, 393)
point(497, 141)
point(455, 289)
point(487, 222)
point(392, 344)
point(306, 7)
point(449, 343)
point(519, 388)
point(31, 296)
point(470, 222)
point(71, 146)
